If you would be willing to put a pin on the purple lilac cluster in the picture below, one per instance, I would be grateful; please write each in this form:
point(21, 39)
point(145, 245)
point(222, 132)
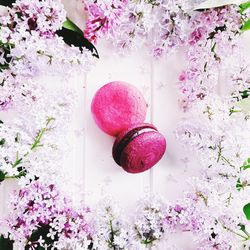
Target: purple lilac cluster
point(42, 217)
point(103, 17)
point(129, 24)
point(172, 27)
point(44, 17)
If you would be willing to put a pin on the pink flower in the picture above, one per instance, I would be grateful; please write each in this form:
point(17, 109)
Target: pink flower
point(42, 206)
point(103, 17)
point(196, 35)
point(5, 105)
point(183, 76)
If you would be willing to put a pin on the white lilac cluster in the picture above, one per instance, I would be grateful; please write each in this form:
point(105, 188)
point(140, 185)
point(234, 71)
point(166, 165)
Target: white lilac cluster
point(24, 154)
point(150, 224)
point(111, 230)
point(15, 144)
point(29, 46)
point(27, 147)
point(213, 45)
point(35, 66)
point(239, 79)
point(160, 25)
point(149, 221)
point(220, 138)
point(46, 17)
point(171, 27)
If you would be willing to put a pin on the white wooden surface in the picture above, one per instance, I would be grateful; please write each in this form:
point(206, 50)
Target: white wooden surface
point(91, 160)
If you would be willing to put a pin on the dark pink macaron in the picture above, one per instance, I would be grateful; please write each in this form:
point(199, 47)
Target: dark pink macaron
point(139, 148)
point(118, 105)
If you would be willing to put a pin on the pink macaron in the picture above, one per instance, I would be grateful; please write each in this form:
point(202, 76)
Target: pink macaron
point(118, 105)
point(139, 148)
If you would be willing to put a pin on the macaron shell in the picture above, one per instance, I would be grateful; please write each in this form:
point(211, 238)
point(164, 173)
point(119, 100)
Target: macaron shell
point(118, 105)
point(139, 126)
point(143, 152)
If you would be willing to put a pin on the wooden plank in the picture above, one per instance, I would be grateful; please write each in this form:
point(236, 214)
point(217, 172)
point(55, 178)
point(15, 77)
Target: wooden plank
point(74, 163)
point(103, 176)
point(171, 172)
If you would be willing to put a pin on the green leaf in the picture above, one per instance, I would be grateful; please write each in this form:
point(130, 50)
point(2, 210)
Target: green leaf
point(244, 6)
point(2, 141)
point(238, 185)
point(246, 210)
point(68, 24)
point(4, 67)
point(6, 244)
point(246, 164)
point(6, 48)
point(244, 167)
point(22, 173)
point(245, 26)
point(71, 37)
point(17, 162)
point(7, 3)
point(242, 227)
point(244, 93)
point(2, 177)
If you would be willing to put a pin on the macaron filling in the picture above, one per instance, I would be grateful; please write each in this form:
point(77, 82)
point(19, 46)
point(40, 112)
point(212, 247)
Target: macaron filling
point(130, 136)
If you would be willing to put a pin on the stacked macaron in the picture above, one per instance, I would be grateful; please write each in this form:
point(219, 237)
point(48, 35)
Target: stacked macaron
point(119, 109)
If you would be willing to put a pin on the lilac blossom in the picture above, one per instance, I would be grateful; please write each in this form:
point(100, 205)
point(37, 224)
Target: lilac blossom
point(111, 229)
point(129, 24)
point(213, 43)
point(42, 216)
point(29, 47)
point(103, 17)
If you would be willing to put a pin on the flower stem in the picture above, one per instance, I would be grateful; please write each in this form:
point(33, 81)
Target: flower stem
point(35, 145)
point(41, 133)
point(232, 231)
point(22, 173)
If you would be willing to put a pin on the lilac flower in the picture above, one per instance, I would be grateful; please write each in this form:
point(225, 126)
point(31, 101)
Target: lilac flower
point(111, 230)
point(211, 32)
point(43, 16)
point(29, 47)
point(149, 221)
point(129, 24)
point(5, 105)
point(217, 197)
point(42, 216)
point(103, 17)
